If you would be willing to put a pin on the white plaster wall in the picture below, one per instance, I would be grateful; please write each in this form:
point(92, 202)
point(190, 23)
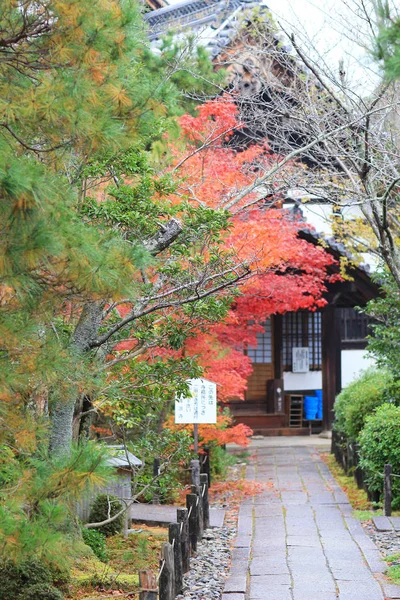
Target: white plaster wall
point(353, 362)
point(302, 381)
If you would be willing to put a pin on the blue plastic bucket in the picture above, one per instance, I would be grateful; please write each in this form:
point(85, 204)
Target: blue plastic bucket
point(320, 411)
point(310, 407)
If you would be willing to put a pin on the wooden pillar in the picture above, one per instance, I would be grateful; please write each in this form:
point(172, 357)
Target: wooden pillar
point(331, 361)
point(182, 518)
point(204, 499)
point(174, 533)
point(148, 585)
point(195, 471)
point(167, 573)
point(278, 357)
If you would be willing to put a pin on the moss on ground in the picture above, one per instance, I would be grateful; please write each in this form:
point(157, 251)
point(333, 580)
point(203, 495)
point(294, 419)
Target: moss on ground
point(393, 572)
point(94, 579)
point(357, 498)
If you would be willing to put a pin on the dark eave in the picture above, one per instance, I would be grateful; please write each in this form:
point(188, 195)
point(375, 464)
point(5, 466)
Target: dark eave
point(344, 294)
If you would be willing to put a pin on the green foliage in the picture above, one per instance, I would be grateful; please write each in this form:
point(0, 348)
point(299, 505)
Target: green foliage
point(360, 399)
point(393, 572)
point(104, 507)
point(38, 507)
point(42, 591)
point(173, 449)
point(31, 580)
point(380, 445)
point(110, 579)
point(197, 76)
point(366, 515)
point(384, 343)
point(220, 461)
point(97, 542)
point(82, 104)
point(387, 43)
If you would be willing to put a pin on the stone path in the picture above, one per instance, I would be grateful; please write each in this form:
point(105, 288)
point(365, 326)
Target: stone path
point(298, 541)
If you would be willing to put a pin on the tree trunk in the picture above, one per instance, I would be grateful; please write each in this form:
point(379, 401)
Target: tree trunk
point(83, 339)
point(61, 425)
point(62, 412)
point(86, 420)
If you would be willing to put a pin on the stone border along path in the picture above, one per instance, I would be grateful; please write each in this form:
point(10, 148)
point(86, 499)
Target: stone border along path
point(298, 541)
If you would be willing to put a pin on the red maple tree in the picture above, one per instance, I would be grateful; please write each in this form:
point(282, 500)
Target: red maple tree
point(289, 273)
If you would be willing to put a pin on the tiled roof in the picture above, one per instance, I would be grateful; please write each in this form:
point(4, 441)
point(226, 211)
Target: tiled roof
point(120, 457)
point(210, 22)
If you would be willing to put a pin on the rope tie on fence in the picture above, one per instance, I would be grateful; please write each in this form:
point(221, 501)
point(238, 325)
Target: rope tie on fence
point(203, 490)
point(160, 571)
point(173, 542)
point(181, 527)
point(197, 501)
point(190, 511)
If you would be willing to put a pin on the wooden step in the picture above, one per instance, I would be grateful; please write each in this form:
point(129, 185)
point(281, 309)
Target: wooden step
point(261, 420)
point(281, 431)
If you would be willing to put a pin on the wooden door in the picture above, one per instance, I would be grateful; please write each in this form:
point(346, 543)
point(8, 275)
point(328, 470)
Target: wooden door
point(262, 357)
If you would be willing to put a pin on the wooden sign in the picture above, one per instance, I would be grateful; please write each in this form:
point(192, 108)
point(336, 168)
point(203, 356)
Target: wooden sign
point(301, 360)
point(200, 406)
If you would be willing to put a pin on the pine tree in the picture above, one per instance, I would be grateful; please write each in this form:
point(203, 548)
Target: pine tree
point(387, 43)
point(81, 104)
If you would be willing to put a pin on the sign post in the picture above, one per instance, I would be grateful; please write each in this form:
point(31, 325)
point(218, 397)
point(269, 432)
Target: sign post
point(196, 438)
point(199, 407)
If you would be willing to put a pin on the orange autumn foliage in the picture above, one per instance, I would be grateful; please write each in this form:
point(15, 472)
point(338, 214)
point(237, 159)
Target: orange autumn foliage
point(288, 273)
point(221, 433)
point(234, 492)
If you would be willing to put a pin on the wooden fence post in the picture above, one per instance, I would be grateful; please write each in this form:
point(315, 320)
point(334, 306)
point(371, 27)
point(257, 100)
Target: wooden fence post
point(387, 491)
point(174, 538)
point(195, 472)
point(206, 464)
point(191, 504)
point(148, 585)
point(156, 472)
point(196, 489)
point(167, 575)
point(182, 518)
point(204, 494)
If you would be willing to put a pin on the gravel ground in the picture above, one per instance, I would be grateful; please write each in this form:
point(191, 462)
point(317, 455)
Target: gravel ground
point(388, 542)
point(210, 567)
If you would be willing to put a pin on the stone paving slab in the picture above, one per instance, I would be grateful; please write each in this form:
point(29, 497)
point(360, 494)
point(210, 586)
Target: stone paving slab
point(269, 566)
point(161, 514)
point(269, 592)
point(365, 590)
point(236, 583)
point(382, 523)
point(395, 522)
point(392, 592)
point(299, 541)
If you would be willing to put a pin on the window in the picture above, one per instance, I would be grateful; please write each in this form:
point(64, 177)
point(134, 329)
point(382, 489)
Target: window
point(262, 353)
point(354, 328)
point(302, 330)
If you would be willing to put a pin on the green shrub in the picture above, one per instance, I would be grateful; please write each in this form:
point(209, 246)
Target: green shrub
point(106, 506)
point(380, 445)
point(359, 400)
point(220, 460)
point(41, 591)
point(18, 581)
point(97, 542)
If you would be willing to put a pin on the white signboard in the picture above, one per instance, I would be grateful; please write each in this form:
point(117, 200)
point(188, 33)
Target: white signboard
point(301, 361)
point(200, 406)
